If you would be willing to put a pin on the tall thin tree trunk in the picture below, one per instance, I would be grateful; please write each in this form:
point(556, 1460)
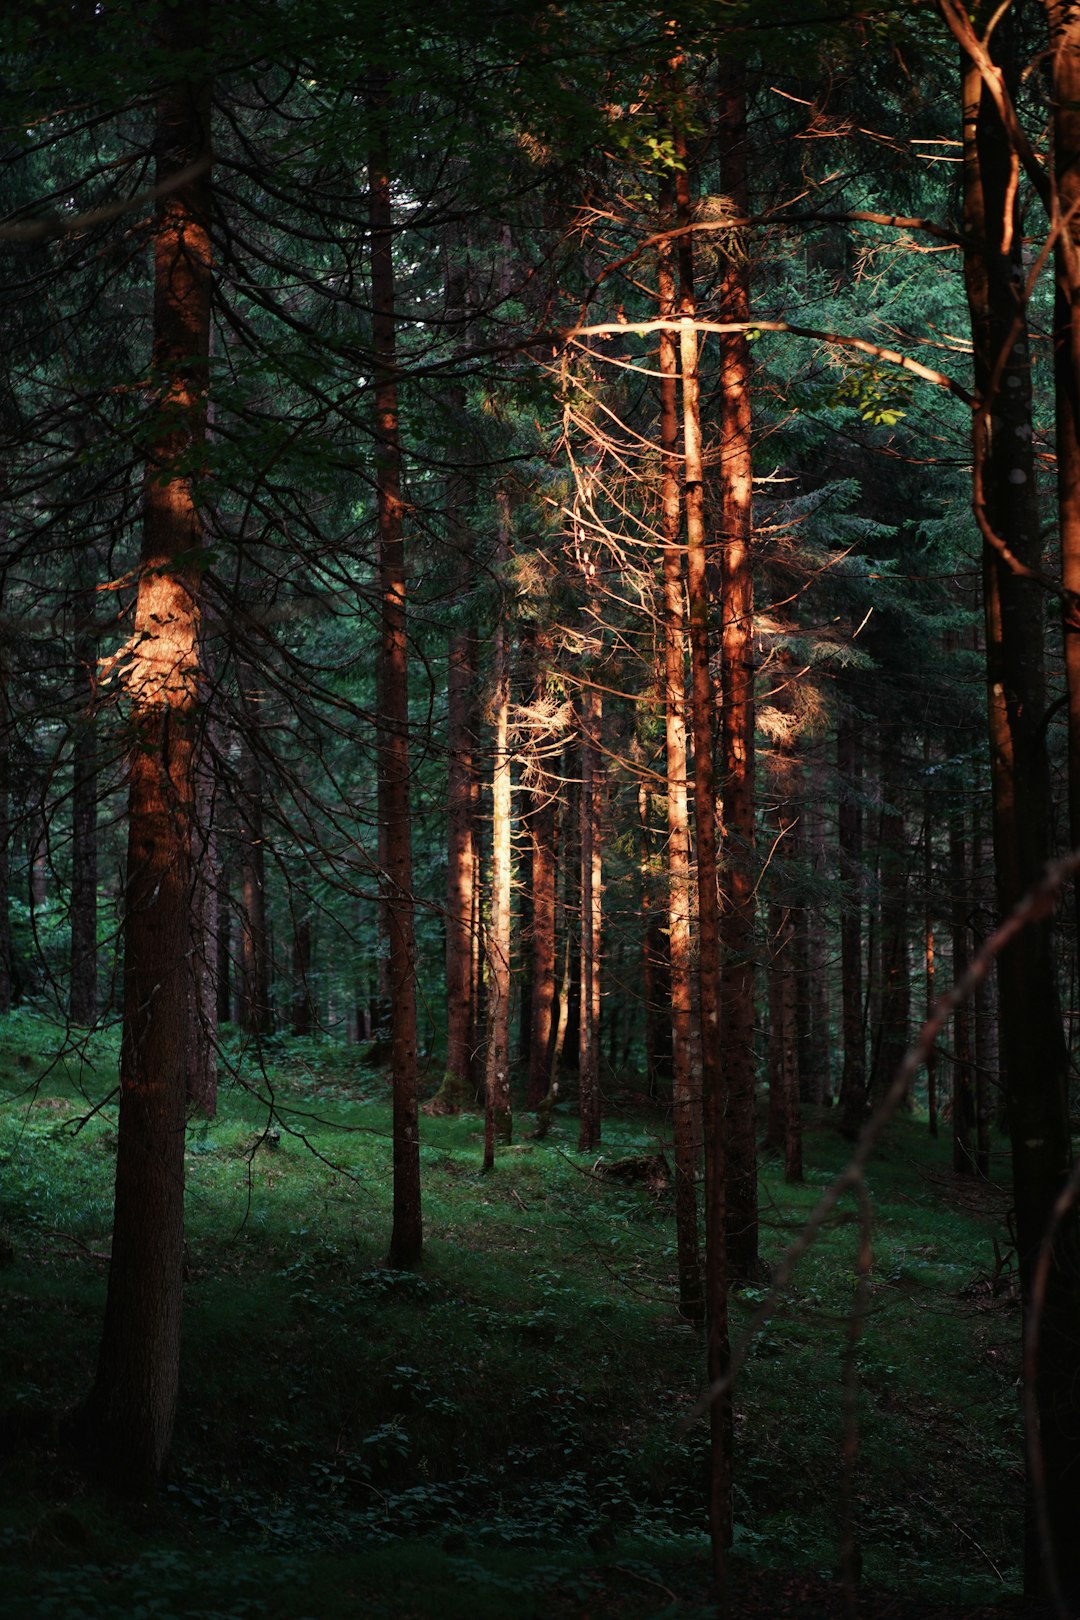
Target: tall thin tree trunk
point(457, 1088)
point(853, 1075)
point(735, 523)
point(82, 1003)
point(498, 1118)
point(686, 1103)
point(543, 837)
point(256, 1009)
point(1033, 1043)
point(723, 1225)
point(589, 1005)
point(395, 814)
point(894, 1007)
point(127, 1420)
point(963, 1095)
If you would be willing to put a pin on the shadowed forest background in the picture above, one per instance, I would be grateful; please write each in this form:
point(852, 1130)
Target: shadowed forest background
point(539, 755)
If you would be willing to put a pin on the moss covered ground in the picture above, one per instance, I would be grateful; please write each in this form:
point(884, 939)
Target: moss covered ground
point(507, 1431)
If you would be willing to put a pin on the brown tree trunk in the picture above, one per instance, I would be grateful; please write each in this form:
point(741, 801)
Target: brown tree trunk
point(853, 1076)
point(894, 1007)
point(256, 1010)
point(929, 942)
point(126, 1423)
point(498, 1117)
point(785, 1112)
point(303, 1003)
point(395, 814)
point(727, 1231)
point(963, 1093)
point(543, 838)
point(589, 1003)
point(457, 1089)
point(735, 522)
point(1033, 1044)
point(82, 1003)
point(686, 1101)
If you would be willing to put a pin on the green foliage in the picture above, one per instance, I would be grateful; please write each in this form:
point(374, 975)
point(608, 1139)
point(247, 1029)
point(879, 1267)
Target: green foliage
point(352, 1436)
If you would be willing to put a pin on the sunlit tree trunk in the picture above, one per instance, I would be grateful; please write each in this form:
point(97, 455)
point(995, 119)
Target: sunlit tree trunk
point(126, 1423)
point(1063, 19)
point(591, 851)
point(1032, 1038)
point(395, 815)
point(498, 1118)
point(719, 1110)
point(735, 525)
point(685, 1096)
point(543, 838)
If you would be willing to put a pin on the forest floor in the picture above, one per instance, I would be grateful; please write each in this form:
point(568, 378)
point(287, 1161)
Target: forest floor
point(511, 1430)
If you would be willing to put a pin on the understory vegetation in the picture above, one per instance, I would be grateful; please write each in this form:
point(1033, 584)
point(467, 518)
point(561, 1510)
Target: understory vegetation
point(513, 1428)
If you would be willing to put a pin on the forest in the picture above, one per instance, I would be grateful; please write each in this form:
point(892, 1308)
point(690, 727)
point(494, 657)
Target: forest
point(540, 809)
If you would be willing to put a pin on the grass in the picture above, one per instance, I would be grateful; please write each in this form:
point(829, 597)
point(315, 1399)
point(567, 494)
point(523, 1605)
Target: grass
point(502, 1432)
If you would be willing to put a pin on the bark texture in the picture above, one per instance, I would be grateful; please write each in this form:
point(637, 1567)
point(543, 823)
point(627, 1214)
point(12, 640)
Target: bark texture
point(127, 1420)
point(395, 815)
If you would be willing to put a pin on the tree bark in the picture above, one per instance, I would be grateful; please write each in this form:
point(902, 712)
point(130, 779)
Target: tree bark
point(590, 848)
point(894, 1006)
point(735, 521)
point(498, 1116)
point(395, 814)
point(82, 1002)
point(1033, 1044)
point(256, 1008)
point(725, 1226)
point(457, 1089)
point(963, 1094)
point(126, 1423)
point(853, 1078)
point(543, 838)
point(686, 1100)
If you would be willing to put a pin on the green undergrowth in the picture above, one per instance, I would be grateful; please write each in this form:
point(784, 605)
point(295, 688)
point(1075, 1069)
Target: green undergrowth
point(512, 1428)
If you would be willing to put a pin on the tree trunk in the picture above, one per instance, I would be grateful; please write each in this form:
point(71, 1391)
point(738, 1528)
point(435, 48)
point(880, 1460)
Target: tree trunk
point(589, 1003)
point(126, 1423)
point(1033, 1044)
point(686, 1103)
point(853, 1077)
point(894, 1007)
point(543, 838)
point(256, 1011)
point(735, 522)
point(498, 1117)
point(82, 1003)
point(457, 1089)
point(395, 815)
point(303, 1004)
point(726, 1232)
point(963, 1094)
